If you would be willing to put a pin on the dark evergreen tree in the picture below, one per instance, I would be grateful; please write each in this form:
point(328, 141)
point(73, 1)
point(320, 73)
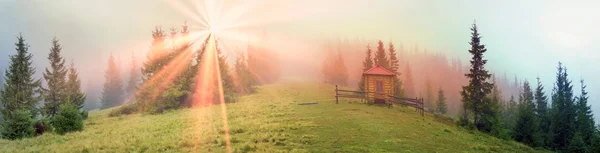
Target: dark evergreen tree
point(441, 106)
point(380, 56)
point(577, 144)
point(473, 94)
point(134, 77)
point(67, 119)
point(73, 89)
point(542, 113)
point(367, 64)
point(585, 118)
point(563, 114)
point(112, 93)
point(55, 77)
point(526, 126)
point(20, 94)
point(595, 140)
point(495, 117)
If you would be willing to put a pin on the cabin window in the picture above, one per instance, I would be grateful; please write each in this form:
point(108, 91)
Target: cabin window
point(379, 87)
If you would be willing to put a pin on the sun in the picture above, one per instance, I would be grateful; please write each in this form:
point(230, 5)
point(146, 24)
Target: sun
point(215, 28)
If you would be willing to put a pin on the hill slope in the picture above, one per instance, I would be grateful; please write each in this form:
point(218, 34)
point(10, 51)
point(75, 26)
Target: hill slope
point(270, 121)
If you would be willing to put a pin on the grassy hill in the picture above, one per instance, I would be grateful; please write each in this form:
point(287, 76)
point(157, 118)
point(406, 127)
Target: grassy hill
point(271, 121)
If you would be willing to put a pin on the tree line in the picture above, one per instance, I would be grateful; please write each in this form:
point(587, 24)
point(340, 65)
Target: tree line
point(164, 86)
point(62, 110)
point(565, 124)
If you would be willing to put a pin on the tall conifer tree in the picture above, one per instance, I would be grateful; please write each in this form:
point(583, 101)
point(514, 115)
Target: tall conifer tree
point(73, 88)
point(526, 125)
point(473, 94)
point(441, 106)
point(394, 67)
point(542, 112)
point(585, 118)
point(409, 87)
point(367, 64)
point(55, 77)
point(563, 112)
point(134, 77)
point(112, 93)
point(20, 94)
point(380, 56)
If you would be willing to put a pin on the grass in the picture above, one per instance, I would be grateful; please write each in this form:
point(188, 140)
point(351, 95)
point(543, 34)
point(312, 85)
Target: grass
point(271, 121)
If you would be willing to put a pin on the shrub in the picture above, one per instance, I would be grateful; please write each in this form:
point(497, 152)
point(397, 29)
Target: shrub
point(67, 119)
point(123, 110)
point(18, 124)
point(230, 98)
point(42, 125)
point(84, 114)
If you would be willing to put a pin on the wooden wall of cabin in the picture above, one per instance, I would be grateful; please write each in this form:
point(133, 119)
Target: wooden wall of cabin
point(371, 81)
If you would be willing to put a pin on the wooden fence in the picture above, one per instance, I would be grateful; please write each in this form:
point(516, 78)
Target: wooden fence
point(349, 94)
point(412, 102)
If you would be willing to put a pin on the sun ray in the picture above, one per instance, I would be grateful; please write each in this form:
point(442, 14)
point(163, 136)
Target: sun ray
point(173, 67)
point(187, 12)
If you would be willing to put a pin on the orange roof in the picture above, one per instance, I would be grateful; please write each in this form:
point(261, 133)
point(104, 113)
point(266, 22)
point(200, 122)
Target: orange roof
point(378, 70)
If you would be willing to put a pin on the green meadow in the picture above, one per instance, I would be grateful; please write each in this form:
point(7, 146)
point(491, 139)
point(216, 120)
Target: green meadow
point(271, 121)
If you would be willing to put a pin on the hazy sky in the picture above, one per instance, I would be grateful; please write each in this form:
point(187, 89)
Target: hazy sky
point(523, 37)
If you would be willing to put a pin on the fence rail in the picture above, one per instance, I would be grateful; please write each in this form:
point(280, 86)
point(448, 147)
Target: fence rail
point(412, 102)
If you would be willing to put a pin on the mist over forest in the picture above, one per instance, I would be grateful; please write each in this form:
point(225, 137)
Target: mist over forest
point(526, 75)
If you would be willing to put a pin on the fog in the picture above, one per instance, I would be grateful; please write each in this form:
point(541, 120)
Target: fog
point(527, 40)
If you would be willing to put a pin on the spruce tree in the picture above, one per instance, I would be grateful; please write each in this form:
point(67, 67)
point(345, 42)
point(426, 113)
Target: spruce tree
point(563, 112)
point(380, 56)
point(585, 118)
point(394, 67)
point(20, 94)
point(394, 62)
point(429, 97)
point(55, 77)
point(409, 87)
point(328, 65)
point(577, 144)
point(73, 88)
point(156, 60)
point(367, 64)
point(341, 75)
point(526, 125)
point(134, 77)
point(112, 93)
point(473, 94)
point(542, 113)
point(245, 78)
point(510, 116)
point(441, 106)
point(156, 56)
point(495, 112)
point(226, 79)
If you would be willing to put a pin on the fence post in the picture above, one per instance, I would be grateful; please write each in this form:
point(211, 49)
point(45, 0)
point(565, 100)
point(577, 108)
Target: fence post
point(390, 100)
point(336, 94)
point(422, 107)
point(419, 105)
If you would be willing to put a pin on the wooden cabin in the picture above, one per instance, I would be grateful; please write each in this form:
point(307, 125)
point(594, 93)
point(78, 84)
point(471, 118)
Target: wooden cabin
point(379, 83)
